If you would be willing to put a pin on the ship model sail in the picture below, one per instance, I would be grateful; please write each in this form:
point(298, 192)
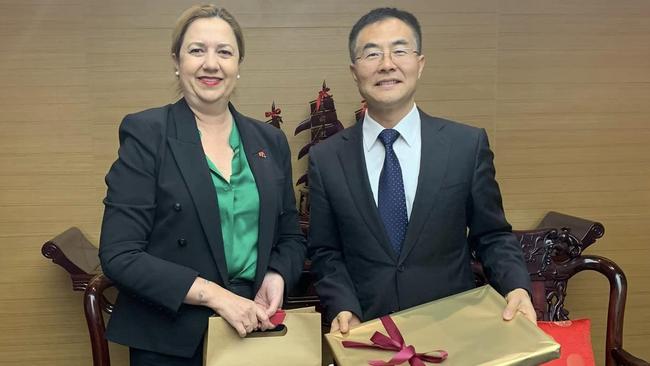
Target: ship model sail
point(322, 123)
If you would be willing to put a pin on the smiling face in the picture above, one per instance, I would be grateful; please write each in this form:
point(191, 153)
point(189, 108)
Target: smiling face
point(387, 80)
point(208, 62)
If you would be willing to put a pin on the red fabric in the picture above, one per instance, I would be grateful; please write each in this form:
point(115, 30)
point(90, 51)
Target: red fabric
point(277, 318)
point(574, 337)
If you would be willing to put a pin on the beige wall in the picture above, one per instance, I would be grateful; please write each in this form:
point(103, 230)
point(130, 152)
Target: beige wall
point(561, 86)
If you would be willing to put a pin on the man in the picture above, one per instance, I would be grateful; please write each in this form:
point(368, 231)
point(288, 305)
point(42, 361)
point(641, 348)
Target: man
point(400, 200)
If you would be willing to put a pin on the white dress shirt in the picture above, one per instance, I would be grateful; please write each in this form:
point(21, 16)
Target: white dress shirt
point(408, 148)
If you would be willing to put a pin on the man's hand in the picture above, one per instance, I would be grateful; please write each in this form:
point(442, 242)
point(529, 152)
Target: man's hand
point(271, 293)
point(344, 321)
point(519, 301)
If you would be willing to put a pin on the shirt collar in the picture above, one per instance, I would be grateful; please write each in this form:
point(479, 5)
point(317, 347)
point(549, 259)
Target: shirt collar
point(234, 140)
point(407, 127)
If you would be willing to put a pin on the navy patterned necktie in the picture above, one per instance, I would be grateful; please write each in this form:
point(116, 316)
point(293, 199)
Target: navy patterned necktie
point(392, 201)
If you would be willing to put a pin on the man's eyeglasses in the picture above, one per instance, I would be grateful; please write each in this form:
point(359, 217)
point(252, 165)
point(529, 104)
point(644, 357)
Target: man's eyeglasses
point(373, 55)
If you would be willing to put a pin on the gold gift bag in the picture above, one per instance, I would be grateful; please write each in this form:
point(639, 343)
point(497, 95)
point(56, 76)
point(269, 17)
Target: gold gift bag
point(299, 346)
point(468, 326)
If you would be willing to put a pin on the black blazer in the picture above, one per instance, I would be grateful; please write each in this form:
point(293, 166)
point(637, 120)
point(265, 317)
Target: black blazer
point(356, 268)
point(161, 225)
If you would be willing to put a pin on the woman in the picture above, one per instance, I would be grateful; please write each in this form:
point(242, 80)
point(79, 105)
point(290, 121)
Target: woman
point(200, 213)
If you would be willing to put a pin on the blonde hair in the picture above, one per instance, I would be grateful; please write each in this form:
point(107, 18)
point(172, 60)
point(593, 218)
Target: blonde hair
point(205, 11)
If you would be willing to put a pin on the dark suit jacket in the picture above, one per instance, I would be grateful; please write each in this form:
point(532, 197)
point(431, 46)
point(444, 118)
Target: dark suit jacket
point(355, 267)
point(161, 225)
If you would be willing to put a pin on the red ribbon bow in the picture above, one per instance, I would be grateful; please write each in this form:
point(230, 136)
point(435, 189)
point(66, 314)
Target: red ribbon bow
point(395, 342)
point(275, 112)
point(321, 95)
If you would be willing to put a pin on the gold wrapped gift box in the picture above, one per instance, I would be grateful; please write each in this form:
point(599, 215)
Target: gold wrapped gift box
point(468, 326)
point(299, 345)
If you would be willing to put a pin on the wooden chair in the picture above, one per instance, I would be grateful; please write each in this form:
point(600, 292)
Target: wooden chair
point(553, 253)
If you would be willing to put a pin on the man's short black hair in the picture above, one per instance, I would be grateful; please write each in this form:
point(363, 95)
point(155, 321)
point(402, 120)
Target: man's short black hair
point(379, 14)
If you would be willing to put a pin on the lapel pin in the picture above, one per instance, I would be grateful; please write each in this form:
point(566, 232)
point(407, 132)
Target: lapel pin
point(261, 154)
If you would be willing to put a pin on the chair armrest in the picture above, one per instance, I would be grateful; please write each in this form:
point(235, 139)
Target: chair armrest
point(94, 304)
point(76, 254)
point(617, 297)
point(623, 357)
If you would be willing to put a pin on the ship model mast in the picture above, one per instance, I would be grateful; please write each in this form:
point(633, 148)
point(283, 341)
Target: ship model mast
point(275, 117)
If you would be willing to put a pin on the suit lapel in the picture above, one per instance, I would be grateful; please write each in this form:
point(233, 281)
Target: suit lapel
point(190, 157)
point(353, 161)
point(433, 166)
point(260, 160)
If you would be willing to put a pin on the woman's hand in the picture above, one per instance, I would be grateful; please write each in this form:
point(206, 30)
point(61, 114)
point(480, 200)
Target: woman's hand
point(241, 313)
point(271, 293)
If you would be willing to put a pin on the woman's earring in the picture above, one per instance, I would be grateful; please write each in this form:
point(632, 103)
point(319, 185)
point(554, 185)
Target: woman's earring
point(238, 76)
point(176, 72)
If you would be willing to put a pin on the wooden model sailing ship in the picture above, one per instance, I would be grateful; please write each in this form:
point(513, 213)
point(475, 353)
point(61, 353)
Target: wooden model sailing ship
point(322, 123)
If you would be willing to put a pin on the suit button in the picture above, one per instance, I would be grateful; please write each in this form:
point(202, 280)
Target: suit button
point(400, 268)
point(177, 207)
point(182, 242)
